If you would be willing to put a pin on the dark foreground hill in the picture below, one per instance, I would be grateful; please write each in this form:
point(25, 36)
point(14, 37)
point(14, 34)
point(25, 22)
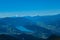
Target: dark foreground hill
point(54, 37)
point(19, 37)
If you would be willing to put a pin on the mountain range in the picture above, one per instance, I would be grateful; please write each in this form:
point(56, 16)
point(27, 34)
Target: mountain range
point(37, 26)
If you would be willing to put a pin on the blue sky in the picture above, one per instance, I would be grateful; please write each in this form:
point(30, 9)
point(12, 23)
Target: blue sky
point(29, 7)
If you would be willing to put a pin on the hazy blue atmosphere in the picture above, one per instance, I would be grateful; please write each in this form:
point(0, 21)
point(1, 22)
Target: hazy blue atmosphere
point(29, 7)
point(29, 19)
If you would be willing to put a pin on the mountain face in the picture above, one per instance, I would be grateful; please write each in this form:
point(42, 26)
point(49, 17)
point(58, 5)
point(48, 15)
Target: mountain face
point(16, 23)
point(8, 29)
point(38, 26)
point(49, 22)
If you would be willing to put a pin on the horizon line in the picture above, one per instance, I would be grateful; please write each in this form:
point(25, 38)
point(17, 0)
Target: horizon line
point(29, 15)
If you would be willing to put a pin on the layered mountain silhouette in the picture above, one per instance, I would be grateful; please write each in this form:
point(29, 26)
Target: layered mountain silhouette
point(38, 26)
point(28, 24)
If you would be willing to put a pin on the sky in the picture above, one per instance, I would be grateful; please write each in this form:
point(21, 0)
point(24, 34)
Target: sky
point(29, 7)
